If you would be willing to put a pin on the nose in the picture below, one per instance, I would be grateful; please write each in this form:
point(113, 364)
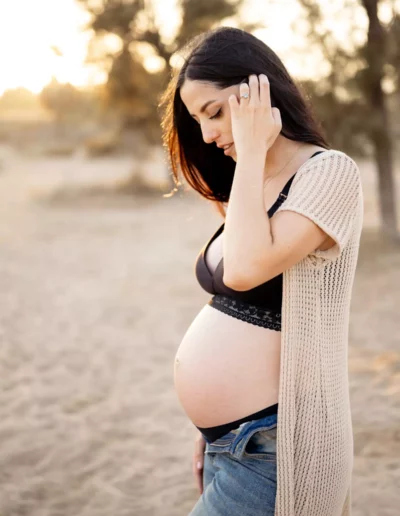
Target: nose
point(210, 134)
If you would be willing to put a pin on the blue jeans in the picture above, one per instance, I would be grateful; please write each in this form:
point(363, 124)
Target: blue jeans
point(239, 476)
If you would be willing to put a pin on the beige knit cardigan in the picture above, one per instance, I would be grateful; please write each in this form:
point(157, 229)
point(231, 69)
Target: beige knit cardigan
point(314, 434)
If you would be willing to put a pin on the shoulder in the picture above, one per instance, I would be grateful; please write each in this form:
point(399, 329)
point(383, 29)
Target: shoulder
point(331, 165)
point(329, 156)
point(326, 183)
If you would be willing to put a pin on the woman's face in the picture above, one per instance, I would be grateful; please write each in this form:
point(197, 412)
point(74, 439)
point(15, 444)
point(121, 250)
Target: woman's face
point(209, 106)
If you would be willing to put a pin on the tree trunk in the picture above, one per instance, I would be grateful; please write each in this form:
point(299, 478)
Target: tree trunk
point(386, 185)
point(380, 130)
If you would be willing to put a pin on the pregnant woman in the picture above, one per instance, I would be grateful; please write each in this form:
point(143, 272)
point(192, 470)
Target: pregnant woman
point(262, 370)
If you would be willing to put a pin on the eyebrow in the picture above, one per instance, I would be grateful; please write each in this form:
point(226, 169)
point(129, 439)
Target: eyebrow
point(204, 106)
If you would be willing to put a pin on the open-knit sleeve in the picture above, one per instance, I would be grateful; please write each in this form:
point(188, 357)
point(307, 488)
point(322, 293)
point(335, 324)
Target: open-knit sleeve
point(327, 189)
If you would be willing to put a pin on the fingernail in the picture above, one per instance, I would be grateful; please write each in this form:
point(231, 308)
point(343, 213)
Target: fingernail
point(199, 465)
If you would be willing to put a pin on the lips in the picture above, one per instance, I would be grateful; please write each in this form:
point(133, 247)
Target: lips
point(228, 148)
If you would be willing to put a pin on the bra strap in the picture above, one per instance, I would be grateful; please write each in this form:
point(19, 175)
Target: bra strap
point(285, 191)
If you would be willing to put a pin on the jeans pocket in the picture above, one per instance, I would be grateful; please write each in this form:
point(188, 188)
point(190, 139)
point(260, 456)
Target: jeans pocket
point(261, 444)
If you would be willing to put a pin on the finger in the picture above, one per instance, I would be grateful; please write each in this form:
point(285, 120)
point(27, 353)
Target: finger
point(200, 481)
point(277, 116)
point(265, 96)
point(198, 473)
point(198, 459)
point(244, 92)
point(254, 90)
point(196, 463)
point(233, 103)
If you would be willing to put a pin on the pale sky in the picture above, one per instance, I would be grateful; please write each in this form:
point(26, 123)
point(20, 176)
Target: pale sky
point(29, 28)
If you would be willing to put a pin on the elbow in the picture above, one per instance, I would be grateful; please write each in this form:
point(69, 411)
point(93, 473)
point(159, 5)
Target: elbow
point(255, 276)
point(235, 282)
point(243, 274)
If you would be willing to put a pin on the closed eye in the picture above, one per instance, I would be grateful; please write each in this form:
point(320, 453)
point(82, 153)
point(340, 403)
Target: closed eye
point(217, 114)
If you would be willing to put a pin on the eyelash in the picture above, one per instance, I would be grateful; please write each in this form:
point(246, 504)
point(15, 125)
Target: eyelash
point(217, 114)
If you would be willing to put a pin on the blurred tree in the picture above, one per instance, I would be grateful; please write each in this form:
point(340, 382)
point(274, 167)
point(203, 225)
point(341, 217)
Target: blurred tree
point(351, 101)
point(63, 100)
point(70, 109)
point(377, 55)
point(132, 28)
point(18, 98)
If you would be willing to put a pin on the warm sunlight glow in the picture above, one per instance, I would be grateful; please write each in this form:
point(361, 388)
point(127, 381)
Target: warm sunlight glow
point(285, 31)
point(42, 39)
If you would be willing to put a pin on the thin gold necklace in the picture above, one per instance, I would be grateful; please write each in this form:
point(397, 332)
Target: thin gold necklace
point(284, 166)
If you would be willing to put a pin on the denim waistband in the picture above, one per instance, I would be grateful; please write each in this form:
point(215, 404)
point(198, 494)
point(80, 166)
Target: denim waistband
point(213, 433)
point(236, 440)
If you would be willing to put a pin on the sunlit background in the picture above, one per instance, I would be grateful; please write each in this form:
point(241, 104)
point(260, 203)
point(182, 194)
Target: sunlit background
point(51, 40)
point(56, 44)
point(98, 243)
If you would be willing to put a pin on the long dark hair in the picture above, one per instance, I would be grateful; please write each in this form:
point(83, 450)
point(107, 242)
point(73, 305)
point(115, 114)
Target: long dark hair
point(226, 56)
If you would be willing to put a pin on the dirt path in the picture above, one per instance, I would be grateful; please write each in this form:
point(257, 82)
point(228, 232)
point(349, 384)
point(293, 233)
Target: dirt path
point(95, 296)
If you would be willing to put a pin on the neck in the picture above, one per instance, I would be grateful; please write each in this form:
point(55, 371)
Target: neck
point(278, 155)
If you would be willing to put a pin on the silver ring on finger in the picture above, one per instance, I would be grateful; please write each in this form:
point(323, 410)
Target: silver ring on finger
point(244, 91)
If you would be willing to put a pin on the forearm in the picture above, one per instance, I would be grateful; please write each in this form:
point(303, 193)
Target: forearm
point(247, 230)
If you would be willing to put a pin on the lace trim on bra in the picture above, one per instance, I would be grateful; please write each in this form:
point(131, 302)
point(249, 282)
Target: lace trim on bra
point(247, 312)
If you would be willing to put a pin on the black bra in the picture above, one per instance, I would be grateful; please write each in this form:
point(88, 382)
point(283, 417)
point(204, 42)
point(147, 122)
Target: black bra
point(267, 295)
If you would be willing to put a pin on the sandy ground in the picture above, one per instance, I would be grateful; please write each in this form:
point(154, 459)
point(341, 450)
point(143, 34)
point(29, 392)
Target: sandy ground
point(95, 295)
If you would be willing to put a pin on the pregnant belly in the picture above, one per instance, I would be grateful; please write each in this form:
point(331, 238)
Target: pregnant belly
point(226, 369)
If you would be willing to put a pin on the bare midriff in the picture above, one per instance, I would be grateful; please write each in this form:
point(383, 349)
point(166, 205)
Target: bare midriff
point(226, 368)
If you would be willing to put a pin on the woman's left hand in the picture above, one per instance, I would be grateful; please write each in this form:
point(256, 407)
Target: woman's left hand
point(255, 123)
